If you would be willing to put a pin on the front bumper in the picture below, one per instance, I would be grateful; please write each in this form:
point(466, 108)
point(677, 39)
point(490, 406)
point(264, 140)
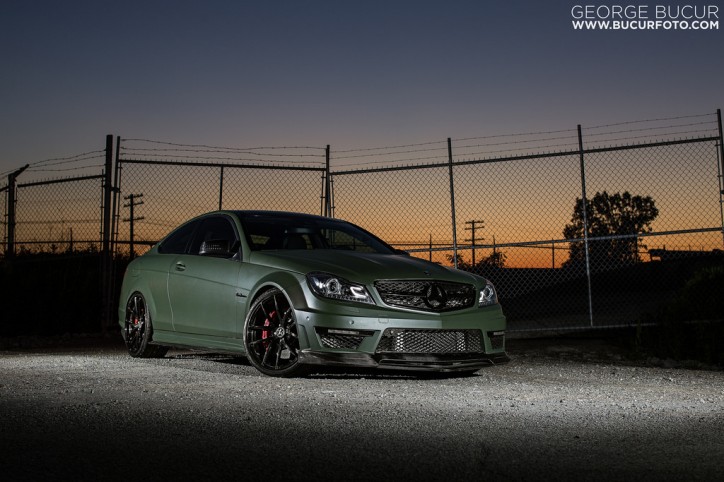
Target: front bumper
point(380, 337)
point(402, 361)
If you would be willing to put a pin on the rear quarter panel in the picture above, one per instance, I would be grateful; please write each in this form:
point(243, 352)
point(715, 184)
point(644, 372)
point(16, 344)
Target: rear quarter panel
point(148, 275)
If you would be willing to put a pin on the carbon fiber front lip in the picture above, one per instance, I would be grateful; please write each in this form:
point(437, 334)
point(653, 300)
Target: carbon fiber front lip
point(439, 363)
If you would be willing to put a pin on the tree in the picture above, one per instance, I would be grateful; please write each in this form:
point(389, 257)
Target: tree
point(616, 214)
point(496, 259)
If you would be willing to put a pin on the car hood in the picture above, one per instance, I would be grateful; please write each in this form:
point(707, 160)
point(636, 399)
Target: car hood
point(359, 267)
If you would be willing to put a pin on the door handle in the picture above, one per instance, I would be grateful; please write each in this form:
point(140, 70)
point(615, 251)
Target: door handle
point(180, 266)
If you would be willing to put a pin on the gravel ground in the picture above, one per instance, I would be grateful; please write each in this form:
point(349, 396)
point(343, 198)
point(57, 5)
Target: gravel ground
point(84, 410)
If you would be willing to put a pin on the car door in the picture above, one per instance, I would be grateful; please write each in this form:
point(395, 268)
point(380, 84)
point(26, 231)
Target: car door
point(157, 272)
point(202, 282)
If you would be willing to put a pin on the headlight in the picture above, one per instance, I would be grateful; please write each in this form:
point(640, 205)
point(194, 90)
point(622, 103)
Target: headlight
point(329, 286)
point(487, 296)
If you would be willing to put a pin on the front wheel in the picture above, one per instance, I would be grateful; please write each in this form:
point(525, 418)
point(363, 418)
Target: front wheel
point(138, 330)
point(270, 336)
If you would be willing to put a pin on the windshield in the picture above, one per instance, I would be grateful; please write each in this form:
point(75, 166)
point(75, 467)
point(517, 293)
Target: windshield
point(287, 231)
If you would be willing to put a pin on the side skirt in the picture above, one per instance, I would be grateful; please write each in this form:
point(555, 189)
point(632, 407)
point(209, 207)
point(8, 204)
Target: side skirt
point(186, 340)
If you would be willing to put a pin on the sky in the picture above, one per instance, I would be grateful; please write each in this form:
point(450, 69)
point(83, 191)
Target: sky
point(349, 74)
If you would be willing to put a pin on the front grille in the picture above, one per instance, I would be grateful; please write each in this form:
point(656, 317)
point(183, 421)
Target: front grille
point(426, 295)
point(395, 340)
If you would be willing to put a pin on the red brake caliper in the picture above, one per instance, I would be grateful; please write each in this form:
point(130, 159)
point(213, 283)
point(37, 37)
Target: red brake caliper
point(267, 333)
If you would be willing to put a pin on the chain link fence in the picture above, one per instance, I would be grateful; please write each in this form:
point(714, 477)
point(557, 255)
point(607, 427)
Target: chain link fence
point(519, 208)
point(4, 220)
point(170, 193)
point(515, 215)
point(59, 216)
point(52, 270)
point(682, 178)
point(409, 208)
point(508, 207)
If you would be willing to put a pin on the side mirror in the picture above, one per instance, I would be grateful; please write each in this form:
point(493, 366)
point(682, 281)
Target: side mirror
point(220, 248)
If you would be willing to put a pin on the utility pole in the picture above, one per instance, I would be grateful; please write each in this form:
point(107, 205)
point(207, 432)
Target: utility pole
point(132, 203)
point(473, 226)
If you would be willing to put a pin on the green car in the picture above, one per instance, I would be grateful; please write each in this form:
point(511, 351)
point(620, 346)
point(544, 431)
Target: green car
point(290, 291)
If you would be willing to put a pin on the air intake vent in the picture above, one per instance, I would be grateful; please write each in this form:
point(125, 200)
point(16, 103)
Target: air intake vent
point(349, 342)
point(340, 338)
point(396, 340)
point(497, 339)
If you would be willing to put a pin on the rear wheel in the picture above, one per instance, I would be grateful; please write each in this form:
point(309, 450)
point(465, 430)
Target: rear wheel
point(270, 336)
point(138, 330)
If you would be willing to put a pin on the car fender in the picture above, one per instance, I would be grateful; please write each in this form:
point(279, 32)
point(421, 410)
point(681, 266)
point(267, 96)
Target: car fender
point(291, 285)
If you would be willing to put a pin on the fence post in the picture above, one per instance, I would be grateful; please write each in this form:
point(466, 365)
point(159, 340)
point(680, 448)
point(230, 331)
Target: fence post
point(116, 200)
point(107, 192)
point(720, 169)
point(452, 203)
point(221, 187)
point(5, 217)
point(327, 185)
point(114, 207)
point(106, 285)
point(585, 224)
point(12, 191)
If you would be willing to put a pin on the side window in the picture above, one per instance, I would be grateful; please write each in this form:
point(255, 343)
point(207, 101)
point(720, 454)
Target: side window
point(177, 241)
point(217, 229)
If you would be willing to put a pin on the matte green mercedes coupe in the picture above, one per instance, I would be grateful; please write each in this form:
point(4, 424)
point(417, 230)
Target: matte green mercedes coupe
point(291, 290)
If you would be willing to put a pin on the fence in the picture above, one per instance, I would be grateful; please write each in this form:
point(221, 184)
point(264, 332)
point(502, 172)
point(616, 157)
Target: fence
point(516, 209)
point(61, 215)
point(494, 205)
point(173, 192)
point(3, 220)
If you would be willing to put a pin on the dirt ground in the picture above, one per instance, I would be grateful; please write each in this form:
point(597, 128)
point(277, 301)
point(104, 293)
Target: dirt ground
point(567, 408)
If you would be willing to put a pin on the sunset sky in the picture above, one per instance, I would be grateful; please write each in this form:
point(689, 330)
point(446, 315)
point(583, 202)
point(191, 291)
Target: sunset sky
point(354, 75)
point(349, 74)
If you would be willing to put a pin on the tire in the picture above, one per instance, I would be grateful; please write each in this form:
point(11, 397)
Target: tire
point(270, 336)
point(138, 330)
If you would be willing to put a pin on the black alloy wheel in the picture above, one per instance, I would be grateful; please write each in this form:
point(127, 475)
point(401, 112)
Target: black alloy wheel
point(138, 330)
point(270, 336)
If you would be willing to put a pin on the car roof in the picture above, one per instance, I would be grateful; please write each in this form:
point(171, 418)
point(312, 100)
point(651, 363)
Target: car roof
point(245, 214)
